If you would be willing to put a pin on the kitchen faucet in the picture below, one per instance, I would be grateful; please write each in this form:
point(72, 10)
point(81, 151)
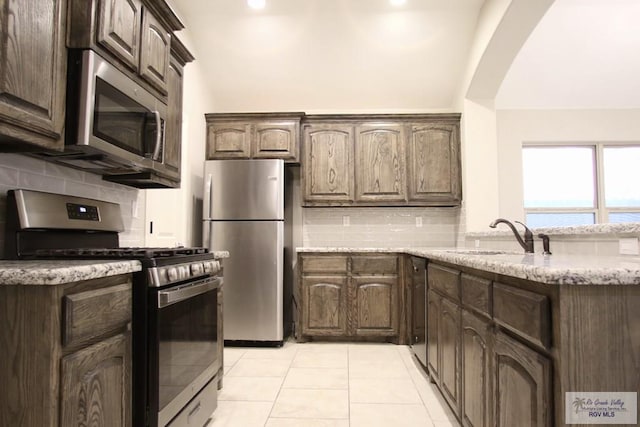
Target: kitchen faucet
point(545, 244)
point(527, 243)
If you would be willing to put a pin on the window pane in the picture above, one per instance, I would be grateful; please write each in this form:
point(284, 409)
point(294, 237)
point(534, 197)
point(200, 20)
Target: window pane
point(558, 177)
point(622, 176)
point(619, 217)
point(559, 219)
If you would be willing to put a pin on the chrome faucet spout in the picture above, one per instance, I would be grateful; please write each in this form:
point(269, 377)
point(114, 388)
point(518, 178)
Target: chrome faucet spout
point(526, 243)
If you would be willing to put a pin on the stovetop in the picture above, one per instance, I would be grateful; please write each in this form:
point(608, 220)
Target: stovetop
point(128, 253)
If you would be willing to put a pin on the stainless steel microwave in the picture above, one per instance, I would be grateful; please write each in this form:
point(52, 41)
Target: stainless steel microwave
point(114, 126)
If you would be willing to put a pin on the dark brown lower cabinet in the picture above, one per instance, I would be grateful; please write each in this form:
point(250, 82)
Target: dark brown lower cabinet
point(449, 346)
point(523, 385)
point(476, 371)
point(66, 358)
point(354, 295)
point(433, 325)
point(94, 382)
point(375, 306)
point(489, 378)
point(324, 310)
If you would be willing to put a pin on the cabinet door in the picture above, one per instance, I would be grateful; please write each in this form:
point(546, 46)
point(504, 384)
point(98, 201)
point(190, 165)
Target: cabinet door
point(154, 52)
point(32, 72)
point(522, 391)
point(434, 301)
point(119, 29)
point(449, 346)
point(230, 140)
point(328, 168)
point(277, 140)
point(476, 377)
point(434, 164)
point(375, 306)
point(324, 305)
point(173, 126)
point(96, 384)
point(379, 156)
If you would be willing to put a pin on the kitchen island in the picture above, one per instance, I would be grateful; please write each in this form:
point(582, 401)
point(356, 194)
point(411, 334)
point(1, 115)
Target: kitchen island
point(512, 338)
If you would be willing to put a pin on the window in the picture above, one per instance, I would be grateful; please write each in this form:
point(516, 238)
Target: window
point(581, 184)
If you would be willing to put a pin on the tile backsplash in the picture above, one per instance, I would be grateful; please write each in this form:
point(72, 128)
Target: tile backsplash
point(19, 171)
point(382, 227)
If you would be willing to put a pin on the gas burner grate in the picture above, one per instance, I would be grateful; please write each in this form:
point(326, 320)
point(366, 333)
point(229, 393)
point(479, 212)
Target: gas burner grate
point(134, 252)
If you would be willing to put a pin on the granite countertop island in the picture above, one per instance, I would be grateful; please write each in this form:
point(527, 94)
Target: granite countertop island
point(56, 272)
point(548, 269)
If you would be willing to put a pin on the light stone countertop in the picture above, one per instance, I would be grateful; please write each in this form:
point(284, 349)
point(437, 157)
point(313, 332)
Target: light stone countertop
point(549, 269)
point(622, 229)
point(56, 272)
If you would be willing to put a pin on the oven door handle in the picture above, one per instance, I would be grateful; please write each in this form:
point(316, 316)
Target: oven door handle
point(182, 293)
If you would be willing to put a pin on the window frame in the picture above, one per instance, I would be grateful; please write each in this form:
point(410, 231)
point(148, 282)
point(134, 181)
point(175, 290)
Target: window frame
point(599, 209)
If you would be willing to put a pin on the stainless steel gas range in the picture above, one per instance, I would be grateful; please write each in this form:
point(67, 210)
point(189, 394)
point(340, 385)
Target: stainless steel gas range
point(176, 328)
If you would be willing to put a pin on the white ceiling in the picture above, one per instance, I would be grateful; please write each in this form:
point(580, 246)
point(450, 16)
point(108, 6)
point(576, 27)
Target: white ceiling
point(331, 55)
point(583, 54)
point(366, 55)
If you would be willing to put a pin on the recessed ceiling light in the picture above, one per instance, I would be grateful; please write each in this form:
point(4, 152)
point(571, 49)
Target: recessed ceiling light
point(256, 4)
point(397, 2)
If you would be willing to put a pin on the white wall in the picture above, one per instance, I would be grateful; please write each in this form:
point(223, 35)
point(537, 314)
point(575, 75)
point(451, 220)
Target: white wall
point(177, 213)
point(502, 29)
point(516, 127)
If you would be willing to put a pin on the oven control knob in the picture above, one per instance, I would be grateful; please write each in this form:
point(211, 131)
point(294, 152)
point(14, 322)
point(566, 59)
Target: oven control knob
point(216, 266)
point(172, 274)
point(196, 269)
point(208, 266)
point(184, 271)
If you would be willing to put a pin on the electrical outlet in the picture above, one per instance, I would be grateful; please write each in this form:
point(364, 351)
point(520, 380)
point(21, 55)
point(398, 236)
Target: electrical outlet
point(346, 221)
point(418, 221)
point(628, 246)
point(477, 243)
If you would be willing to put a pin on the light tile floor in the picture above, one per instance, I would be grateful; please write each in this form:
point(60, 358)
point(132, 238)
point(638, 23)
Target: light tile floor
point(327, 385)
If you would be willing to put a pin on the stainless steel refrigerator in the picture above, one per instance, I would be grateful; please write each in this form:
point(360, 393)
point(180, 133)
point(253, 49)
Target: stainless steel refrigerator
point(244, 213)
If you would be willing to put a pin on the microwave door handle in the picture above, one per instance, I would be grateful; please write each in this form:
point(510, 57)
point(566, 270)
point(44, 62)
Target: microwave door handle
point(159, 135)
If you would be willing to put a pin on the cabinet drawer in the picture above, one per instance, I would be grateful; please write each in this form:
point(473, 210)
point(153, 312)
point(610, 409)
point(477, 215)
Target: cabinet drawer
point(374, 264)
point(444, 280)
point(476, 293)
point(324, 264)
point(523, 312)
point(92, 313)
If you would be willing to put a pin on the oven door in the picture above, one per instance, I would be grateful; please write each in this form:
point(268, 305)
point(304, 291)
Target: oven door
point(183, 345)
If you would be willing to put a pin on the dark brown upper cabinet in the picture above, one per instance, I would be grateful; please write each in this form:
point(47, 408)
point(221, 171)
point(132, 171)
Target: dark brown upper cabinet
point(254, 136)
point(33, 72)
point(382, 160)
point(134, 35)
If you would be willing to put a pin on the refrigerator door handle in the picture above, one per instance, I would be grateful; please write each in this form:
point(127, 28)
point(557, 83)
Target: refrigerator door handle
point(206, 204)
point(206, 234)
point(206, 213)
